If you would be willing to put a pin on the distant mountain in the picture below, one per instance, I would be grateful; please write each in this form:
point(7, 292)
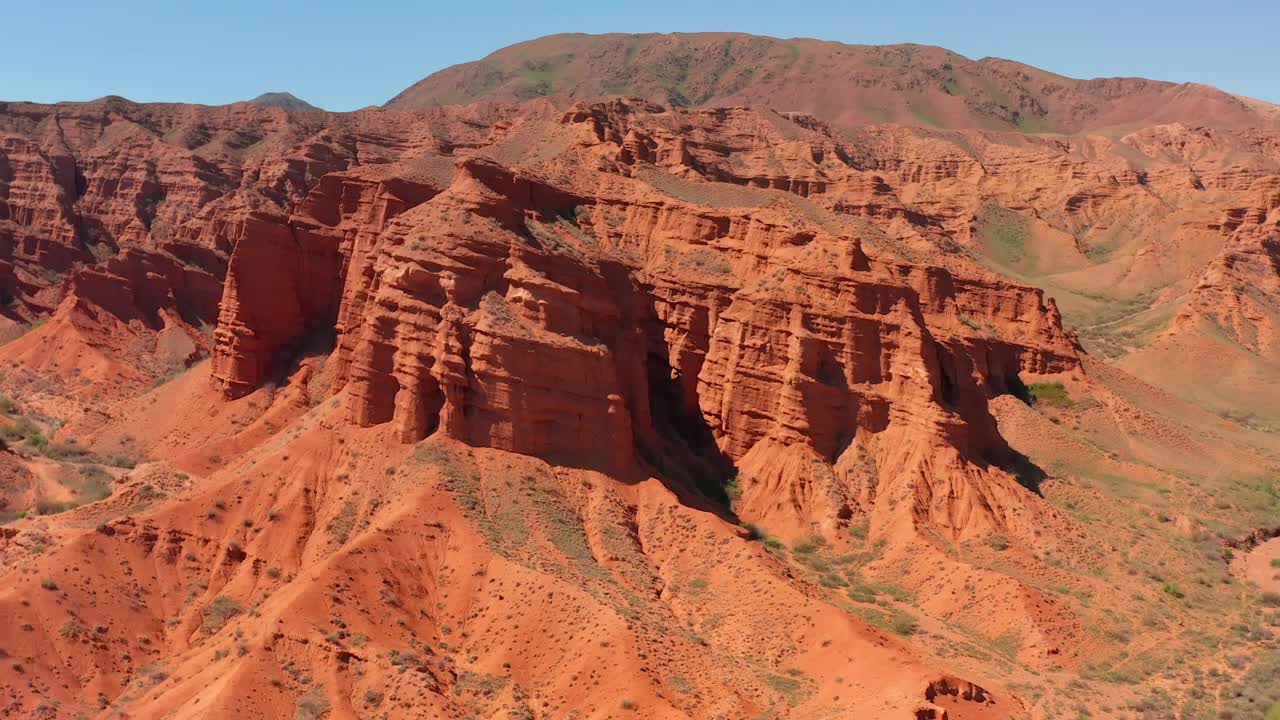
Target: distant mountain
point(284, 100)
point(848, 85)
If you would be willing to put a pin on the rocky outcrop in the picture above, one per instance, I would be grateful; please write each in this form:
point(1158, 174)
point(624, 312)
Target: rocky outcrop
point(598, 328)
point(135, 209)
point(140, 284)
point(1238, 291)
point(709, 290)
point(951, 697)
point(287, 275)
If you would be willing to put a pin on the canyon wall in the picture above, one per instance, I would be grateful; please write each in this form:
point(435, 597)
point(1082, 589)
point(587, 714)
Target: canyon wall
point(605, 282)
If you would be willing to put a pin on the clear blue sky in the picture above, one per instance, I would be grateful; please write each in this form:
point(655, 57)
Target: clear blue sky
point(341, 57)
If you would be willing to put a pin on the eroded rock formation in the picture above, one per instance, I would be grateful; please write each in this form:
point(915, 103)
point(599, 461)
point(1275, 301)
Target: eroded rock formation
point(585, 320)
point(541, 371)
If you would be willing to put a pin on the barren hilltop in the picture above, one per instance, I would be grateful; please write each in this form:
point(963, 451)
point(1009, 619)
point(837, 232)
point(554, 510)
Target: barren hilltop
point(846, 85)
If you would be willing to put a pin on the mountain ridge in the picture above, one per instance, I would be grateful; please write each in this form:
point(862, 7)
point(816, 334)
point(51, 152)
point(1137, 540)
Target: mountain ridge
point(285, 101)
point(908, 84)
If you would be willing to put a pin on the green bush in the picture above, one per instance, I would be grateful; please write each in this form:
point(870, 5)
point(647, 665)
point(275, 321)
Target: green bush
point(810, 545)
point(68, 451)
point(25, 430)
point(899, 621)
point(903, 623)
point(833, 580)
point(221, 610)
point(122, 461)
point(756, 533)
point(895, 592)
point(45, 506)
point(96, 484)
point(1052, 394)
point(858, 531)
point(311, 706)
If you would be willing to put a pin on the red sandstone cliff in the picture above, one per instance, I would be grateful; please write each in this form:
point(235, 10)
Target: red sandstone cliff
point(576, 317)
point(646, 303)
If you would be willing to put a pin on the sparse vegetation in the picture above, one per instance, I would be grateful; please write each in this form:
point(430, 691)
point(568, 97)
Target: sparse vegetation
point(73, 629)
point(219, 612)
point(343, 523)
point(1008, 644)
point(792, 686)
point(312, 706)
point(756, 533)
point(894, 620)
point(1050, 394)
point(481, 683)
point(1003, 234)
point(169, 373)
point(810, 545)
point(25, 430)
point(703, 260)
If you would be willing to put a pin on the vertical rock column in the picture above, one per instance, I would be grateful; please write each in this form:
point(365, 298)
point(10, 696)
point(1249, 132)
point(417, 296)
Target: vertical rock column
point(450, 368)
point(417, 404)
point(373, 384)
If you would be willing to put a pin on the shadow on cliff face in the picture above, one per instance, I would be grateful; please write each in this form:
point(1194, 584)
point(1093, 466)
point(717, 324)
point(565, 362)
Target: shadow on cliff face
point(681, 447)
point(1000, 376)
point(671, 435)
point(318, 343)
point(1019, 389)
point(1029, 475)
